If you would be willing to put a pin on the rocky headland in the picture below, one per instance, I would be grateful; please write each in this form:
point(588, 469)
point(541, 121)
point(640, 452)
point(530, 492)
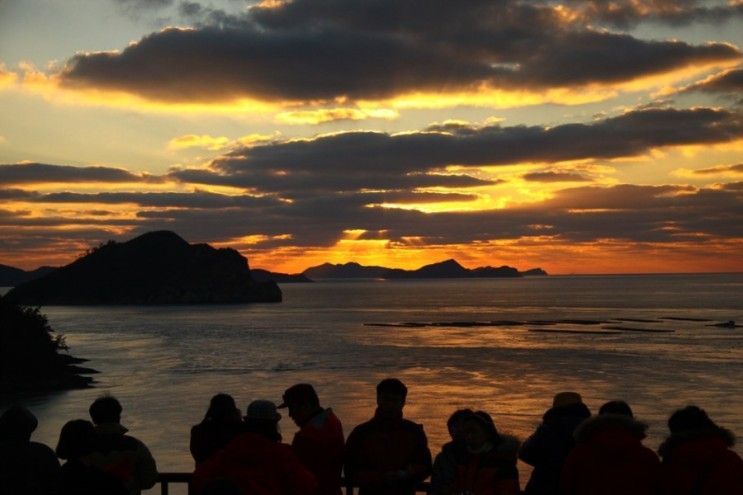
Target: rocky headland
point(32, 358)
point(154, 268)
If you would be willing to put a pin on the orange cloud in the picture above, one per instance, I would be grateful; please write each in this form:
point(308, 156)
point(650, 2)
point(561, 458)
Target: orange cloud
point(198, 141)
point(323, 115)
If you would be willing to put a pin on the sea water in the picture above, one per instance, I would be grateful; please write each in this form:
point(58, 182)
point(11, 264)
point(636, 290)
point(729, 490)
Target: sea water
point(165, 362)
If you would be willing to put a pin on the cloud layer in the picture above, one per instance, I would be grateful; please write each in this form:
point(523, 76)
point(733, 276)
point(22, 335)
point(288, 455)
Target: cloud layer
point(331, 50)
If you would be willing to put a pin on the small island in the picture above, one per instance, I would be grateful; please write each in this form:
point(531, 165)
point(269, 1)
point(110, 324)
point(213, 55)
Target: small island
point(31, 357)
point(444, 269)
point(154, 268)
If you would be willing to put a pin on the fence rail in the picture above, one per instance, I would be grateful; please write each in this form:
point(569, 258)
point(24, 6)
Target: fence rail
point(166, 479)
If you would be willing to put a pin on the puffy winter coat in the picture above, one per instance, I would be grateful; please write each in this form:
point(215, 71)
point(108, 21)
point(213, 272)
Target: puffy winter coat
point(701, 463)
point(257, 466)
point(492, 472)
point(319, 445)
point(548, 447)
point(381, 448)
point(124, 457)
point(609, 459)
point(209, 436)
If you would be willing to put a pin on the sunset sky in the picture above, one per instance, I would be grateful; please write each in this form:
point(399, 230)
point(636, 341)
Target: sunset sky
point(580, 136)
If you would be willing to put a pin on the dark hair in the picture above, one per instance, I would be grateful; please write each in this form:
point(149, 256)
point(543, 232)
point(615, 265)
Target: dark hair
point(221, 408)
point(106, 409)
point(392, 385)
point(301, 393)
point(618, 407)
point(264, 427)
point(456, 417)
point(76, 439)
point(17, 423)
point(690, 418)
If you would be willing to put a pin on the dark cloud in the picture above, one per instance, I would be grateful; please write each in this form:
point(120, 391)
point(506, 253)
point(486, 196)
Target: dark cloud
point(549, 176)
point(628, 13)
point(370, 49)
point(625, 212)
point(29, 173)
point(728, 83)
point(156, 199)
point(723, 169)
point(302, 181)
point(372, 160)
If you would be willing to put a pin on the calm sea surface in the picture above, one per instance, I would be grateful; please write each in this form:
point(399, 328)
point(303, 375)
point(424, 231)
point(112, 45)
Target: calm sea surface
point(164, 363)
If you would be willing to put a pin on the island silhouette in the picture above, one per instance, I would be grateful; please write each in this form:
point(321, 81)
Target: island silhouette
point(155, 268)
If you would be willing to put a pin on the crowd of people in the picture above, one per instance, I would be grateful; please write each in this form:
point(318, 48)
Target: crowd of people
point(571, 451)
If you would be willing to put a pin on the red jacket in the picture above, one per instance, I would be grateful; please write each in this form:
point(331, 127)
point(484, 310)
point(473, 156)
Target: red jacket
point(700, 463)
point(319, 445)
point(609, 459)
point(257, 466)
point(387, 456)
point(489, 473)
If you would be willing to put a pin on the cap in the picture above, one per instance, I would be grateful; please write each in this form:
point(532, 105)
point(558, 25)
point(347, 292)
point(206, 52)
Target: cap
point(299, 394)
point(263, 409)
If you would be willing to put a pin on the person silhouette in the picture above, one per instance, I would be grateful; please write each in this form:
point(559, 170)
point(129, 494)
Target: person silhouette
point(444, 472)
point(319, 442)
point(115, 452)
point(26, 467)
point(388, 455)
point(220, 425)
point(697, 457)
point(79, 477)
point(609, 457)
point(486, 460)
point(548, 447)
point(255, 461)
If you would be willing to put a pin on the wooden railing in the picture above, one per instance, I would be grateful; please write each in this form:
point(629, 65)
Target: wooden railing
point(166, 479)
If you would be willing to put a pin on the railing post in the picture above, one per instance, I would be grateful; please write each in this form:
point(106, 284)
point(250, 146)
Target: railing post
point(164, 489)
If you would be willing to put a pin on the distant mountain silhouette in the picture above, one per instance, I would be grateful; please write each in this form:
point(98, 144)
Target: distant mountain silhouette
point(11, 276)
point(260, 275)
point(154, 268)
point(444, 269)
point(347, 270)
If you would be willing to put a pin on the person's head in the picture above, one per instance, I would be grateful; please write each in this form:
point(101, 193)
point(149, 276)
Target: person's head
point(76, 439)
point(454, 424)
point(391, 394)
point(478, 429)
point(222, 409)
point(564, 399)
point(263, 418)
point(690, 418)
point(616, 407)
point(17, 424)
point(302, 401)
point(105, 409)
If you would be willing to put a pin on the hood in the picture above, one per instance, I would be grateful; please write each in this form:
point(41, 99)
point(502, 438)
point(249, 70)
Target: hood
point(566, 418)
point(708, 438)
point(610, 425)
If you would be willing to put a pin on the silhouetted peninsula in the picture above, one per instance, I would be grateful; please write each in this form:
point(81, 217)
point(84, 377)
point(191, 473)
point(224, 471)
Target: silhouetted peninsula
point(444, 269)
point(11, 276)
point(30, 357)
point(154, 268)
